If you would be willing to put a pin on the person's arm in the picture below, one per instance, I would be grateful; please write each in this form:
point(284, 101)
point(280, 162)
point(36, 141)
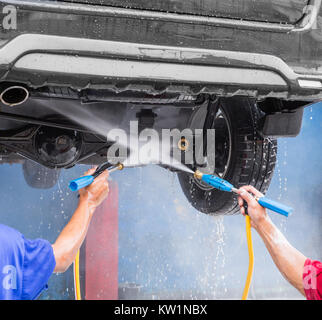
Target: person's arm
point(71, 238)
point(288, 260)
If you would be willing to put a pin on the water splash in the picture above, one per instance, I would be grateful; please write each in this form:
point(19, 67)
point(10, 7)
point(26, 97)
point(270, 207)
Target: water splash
point(93, 122)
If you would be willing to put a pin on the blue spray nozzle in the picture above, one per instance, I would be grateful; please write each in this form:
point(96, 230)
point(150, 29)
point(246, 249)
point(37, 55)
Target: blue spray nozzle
point(217, 182)
point(85, 181)
point(224, 185)
point(80, 183)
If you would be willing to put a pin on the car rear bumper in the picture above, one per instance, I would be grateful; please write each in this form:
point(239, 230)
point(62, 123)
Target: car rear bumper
point(39, 60)
point(81, 46)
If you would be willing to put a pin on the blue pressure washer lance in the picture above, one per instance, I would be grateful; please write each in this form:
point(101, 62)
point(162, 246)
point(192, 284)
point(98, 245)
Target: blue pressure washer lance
point(85, 181)
point(224, 185)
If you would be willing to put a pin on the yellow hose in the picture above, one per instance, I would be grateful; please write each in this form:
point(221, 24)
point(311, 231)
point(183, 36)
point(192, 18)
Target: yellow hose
point(251, 258)
point(77, 278)
point(249, 273)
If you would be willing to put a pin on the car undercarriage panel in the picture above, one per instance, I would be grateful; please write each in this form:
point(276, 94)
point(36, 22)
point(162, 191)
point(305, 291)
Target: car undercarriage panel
point(65, 132)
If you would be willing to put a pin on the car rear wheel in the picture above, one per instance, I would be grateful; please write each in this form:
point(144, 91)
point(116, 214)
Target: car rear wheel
point(242, 156)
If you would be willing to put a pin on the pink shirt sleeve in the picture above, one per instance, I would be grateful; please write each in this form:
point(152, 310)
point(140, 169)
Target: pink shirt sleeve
point(312, 279)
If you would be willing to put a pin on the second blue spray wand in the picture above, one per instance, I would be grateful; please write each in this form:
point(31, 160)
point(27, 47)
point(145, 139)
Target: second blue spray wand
point(224, 185)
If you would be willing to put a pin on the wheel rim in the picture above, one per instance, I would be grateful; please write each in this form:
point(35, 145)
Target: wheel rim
point(223, 148)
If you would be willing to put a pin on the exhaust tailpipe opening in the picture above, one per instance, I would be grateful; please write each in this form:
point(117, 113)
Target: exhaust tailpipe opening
point(14, 96)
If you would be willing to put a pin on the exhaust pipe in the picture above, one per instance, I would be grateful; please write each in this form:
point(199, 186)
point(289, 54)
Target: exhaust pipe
point(14, 96)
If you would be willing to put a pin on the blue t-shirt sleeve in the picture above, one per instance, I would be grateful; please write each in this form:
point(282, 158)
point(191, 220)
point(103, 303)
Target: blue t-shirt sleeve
point(39, 264)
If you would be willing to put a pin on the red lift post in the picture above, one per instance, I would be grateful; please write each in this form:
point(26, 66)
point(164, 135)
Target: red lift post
point(99, 253)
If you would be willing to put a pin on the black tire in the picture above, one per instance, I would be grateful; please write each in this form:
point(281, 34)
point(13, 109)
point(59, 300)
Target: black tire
point(252, 159)
point(38, 176)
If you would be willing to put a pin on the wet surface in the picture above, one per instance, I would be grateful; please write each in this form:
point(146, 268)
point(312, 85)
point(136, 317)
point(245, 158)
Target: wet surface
point(166, 247)
point(260, 10)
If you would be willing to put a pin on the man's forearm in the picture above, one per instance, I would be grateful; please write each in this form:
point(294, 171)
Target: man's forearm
point(289, 260)
point(72, 236)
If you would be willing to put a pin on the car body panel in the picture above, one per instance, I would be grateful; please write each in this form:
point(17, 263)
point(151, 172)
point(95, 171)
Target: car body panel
point(287, 54)
point(281, 11)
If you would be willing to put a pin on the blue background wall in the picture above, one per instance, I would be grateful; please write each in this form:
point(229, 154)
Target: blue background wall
point(167, 247)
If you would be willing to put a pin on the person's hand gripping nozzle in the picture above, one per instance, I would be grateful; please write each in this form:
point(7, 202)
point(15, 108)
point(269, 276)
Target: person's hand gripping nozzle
point(224, 185)
point(85, 181)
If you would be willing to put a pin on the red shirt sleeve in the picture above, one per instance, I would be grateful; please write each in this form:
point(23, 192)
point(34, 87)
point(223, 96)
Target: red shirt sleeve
point(312, 279)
